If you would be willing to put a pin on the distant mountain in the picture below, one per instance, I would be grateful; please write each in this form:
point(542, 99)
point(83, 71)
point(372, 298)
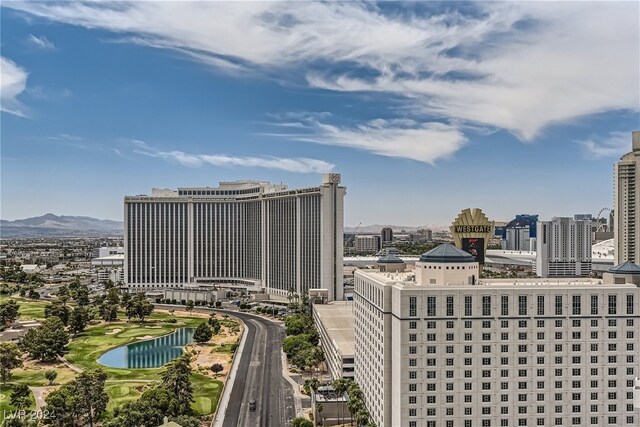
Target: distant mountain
point(50, 225)
point(376, 228)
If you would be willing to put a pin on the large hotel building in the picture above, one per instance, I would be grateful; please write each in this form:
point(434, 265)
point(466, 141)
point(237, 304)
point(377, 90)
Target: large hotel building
point(436, 347)
point(246, 232)
point(626, 204)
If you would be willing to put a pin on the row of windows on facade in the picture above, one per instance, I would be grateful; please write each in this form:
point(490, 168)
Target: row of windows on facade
point(540, 360)
point(523, 305)
point(522, 385)
point(523, 323)
point(574, 421)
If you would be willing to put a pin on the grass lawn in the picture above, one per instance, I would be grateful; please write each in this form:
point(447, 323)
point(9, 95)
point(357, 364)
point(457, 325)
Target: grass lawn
point(122, 384)
point(29, 309)
point(5, 396)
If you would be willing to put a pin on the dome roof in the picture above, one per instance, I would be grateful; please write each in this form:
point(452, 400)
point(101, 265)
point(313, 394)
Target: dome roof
point(389, 259)
point(446, 253)
point(626, 267)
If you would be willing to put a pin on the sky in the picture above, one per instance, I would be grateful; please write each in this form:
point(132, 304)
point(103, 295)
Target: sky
point(424, 108)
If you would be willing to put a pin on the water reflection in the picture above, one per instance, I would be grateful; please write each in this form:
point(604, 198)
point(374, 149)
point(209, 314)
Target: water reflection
point(150, 353)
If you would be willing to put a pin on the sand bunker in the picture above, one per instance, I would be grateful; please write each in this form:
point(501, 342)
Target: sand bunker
point(113, 331)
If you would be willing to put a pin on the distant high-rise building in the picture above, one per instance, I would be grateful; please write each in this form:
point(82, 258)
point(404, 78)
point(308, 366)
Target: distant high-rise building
point(387, 235)
point(247, 232)
point(367, 243)
point(520, 233)
point(626, 205)
point(563, 248)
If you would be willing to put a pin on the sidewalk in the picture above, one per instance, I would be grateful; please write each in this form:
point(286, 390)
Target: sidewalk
point(297, 394)
point(218, 417)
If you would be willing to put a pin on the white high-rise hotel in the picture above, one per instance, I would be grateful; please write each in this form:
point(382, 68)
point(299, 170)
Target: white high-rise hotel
point(436, 347)
point(563, 248)
point(626, 205)
point(246, 232)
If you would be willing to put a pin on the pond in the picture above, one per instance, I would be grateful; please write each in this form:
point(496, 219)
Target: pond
point(150, 353)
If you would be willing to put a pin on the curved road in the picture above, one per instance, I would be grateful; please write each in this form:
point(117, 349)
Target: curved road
point(259, 376)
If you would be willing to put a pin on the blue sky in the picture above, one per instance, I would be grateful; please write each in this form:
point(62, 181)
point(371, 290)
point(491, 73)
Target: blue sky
point(425, 109)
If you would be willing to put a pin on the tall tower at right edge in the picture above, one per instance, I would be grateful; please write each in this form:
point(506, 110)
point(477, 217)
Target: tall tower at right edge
point(626, 205)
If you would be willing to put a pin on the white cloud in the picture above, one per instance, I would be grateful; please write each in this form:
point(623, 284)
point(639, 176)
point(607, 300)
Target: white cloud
point(13, 81)
point(614, 145)
point(299, 165)
point(526, 65)
point(426, 142)
point(40, 42)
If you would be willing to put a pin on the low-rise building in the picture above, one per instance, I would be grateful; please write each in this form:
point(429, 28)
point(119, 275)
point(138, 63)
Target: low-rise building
point(335, 323)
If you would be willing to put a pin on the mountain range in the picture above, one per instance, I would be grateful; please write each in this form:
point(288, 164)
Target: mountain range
point(50, 225)
point(376, 228)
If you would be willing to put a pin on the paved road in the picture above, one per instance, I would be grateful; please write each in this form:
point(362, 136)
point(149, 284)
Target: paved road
point(260, 377)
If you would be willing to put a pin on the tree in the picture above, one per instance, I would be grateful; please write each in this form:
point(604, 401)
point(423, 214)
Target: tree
point(202, 333)
point(301, 422)
point(58, 309)
point(139, 307)
point(124, 300)
point(176, 379)
point(47, 341)
point(113, 296)
point(8, 313)
point(78, 320)
point(108, 311)
point(190, 305)
point(9, 359)
point(341, 386)
point(81, 295)
point(33, 294)
point(215, 324)
point(78, 402)
point(21, 396)
point(295, 344)
point(218, 304)
point(319, 409)
point(63, 294)
point(51, 376)
point(216, 368)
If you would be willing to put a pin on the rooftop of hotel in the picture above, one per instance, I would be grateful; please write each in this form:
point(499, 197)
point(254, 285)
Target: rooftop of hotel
point(406, 279)
point(337, 318)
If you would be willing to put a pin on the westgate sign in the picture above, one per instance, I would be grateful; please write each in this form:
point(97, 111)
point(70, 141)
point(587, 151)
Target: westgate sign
point(472, 229)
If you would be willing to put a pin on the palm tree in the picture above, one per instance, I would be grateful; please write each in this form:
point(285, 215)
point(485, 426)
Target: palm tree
point(362, 417)
point(340, 386)
point(319, 409)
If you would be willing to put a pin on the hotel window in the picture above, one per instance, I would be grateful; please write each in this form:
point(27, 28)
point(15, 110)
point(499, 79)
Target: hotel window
point(504, 302)
point(594, 304)
point(613, 304)
point(431, 306)
point(413, 325)
point(522, 305)
point(630, 304)
point(468, 304)
point(540, 305)
point(577, 305)
point(412, 337)
point(449, 305)
point(558, 305)
point(486, 305)
point(413, 306)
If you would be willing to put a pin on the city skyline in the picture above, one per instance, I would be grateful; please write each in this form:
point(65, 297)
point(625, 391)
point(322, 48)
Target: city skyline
point(457, 104)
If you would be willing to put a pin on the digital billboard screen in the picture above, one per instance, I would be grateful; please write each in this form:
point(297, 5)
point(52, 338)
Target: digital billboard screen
point(475, 246)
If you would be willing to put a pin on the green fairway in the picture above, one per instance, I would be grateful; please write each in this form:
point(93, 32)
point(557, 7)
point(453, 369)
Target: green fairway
point(5, 406)
point(122, 385)
point(29, 309)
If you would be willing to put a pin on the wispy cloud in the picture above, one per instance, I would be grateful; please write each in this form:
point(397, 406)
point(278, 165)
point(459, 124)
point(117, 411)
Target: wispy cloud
point(518, 66)
point(40, 42)
point(613, 145)
point(402, 138)
point(13, 81)
point(299, 164)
